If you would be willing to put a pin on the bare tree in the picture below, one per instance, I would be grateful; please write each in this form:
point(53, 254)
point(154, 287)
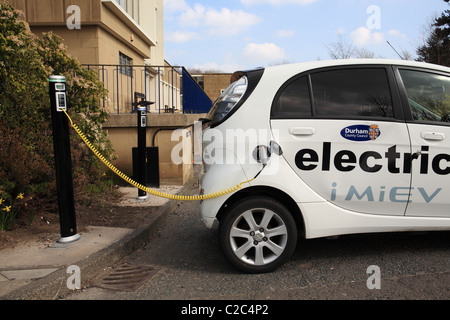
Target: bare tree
point(341, 49)
point(406, 55)
point(363, 53)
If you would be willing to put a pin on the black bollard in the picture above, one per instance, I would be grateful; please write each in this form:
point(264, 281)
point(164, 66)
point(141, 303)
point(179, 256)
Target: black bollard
point(63, 160)
point(142, 150)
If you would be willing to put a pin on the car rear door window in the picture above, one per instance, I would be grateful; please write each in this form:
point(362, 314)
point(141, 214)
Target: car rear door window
point(293, 100)
point(352, 93)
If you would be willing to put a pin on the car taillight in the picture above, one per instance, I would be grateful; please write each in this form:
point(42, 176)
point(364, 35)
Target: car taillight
point(228, 100)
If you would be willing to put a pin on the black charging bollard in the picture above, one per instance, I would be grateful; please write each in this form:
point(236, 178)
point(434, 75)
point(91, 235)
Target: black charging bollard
point(63, 160)
point(142, 150)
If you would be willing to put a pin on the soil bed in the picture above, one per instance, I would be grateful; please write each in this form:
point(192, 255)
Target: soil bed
point(117, 209)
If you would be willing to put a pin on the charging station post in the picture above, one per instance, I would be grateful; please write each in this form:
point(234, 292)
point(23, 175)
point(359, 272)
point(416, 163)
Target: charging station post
point(142, 150)
point(63, 159)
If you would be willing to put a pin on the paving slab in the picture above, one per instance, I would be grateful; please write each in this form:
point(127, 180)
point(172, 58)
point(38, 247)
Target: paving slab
point(23, 264)
point(39, 271)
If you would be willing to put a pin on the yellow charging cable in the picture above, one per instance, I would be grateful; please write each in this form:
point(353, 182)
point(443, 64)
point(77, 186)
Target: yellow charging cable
point(146, 189)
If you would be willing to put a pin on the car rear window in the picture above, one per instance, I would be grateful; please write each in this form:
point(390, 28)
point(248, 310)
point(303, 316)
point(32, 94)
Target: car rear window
point(294, 101)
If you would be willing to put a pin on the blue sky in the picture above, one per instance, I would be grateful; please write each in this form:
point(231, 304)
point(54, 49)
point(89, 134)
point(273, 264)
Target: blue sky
point(229, 35)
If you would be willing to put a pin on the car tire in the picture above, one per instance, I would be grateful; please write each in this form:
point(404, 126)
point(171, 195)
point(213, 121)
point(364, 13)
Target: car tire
point(258, 235)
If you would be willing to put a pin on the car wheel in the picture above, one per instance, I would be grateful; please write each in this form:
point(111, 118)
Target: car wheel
point(258, 235)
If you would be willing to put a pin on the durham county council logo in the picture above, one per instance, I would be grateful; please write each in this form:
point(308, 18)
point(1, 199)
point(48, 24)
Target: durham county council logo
point(361, 132)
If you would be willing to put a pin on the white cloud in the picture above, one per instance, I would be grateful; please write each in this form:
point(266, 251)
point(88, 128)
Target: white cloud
point(213, 66)
point(229, 21)
point(223, 22)
point(181, 36)
point(207, 66)
point(340, 31)
point(396, 33)
point(175, 5)
point(263, 53)
point(277, 2)
point(193, 16)
point(285, 33)
point(363, 36)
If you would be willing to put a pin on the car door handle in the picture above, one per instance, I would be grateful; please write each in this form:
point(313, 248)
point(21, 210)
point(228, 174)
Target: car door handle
point(302, 131)
point(433, 136)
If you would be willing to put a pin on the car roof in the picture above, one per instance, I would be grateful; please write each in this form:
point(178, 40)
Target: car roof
point(304, 66)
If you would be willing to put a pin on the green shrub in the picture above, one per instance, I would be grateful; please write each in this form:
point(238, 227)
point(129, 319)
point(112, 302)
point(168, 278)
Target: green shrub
point(26, 146)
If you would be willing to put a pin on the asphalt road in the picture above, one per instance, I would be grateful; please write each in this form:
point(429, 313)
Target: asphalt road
point(190, 265)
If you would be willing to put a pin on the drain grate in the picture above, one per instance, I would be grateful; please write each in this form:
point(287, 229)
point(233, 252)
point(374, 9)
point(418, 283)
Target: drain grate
point(126, 277)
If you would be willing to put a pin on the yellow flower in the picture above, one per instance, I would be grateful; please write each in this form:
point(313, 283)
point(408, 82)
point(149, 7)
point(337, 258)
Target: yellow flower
point(20, 196)
point(1, 200)
point(7, 209)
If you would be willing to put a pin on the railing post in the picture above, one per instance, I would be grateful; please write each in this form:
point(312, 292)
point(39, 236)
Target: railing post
point(131, 93)
point(173, 106)
point(117, 90)
point(159, 89)
point(103, 82)
point(145, 83)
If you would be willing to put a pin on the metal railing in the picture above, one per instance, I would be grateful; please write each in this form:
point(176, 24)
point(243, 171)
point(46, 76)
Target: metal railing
point(157, 87)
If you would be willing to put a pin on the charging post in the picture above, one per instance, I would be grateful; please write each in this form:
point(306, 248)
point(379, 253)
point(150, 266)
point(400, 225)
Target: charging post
point(63, 159)
point(142, 150)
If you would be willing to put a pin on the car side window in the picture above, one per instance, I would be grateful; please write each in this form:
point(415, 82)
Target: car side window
point(293, 100)
point(362, 92)
point(428, 95)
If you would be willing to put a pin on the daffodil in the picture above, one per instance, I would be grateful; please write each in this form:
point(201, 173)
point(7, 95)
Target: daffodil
point(1, 200)
point(7, 209)
point(20, 196)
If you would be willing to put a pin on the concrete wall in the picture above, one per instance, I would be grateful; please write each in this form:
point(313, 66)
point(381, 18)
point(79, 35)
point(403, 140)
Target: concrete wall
point(213, 83)
point(122, 132)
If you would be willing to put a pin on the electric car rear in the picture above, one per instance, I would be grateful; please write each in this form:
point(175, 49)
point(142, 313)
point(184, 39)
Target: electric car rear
point(323, 149)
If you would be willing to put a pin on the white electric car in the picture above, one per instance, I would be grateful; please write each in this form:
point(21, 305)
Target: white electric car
point(333, 148)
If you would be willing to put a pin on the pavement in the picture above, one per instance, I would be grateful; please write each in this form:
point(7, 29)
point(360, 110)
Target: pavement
point(46, 276)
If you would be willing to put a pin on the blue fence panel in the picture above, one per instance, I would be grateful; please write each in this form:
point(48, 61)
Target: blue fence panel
point(195, 99)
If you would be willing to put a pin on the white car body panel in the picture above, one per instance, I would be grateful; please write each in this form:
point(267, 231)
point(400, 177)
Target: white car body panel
point(377, 202)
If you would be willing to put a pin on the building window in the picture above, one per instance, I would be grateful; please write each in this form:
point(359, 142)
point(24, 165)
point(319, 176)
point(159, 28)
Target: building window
point(131, 7)
point(124, 62)
point(122, 3)
point(200, 80)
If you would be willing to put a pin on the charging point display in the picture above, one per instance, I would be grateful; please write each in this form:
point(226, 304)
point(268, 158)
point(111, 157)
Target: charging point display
point(60, 93)
point(61, 102)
